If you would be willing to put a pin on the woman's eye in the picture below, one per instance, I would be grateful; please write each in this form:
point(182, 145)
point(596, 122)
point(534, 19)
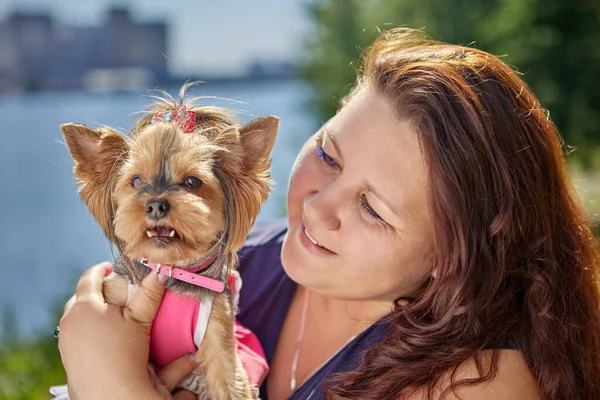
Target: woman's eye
point(191, 182)
point(330, 161)
point(136, 182)
point(364, 204)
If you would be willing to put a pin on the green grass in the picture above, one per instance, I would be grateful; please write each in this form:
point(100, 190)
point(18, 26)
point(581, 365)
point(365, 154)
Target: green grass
point(29, 366)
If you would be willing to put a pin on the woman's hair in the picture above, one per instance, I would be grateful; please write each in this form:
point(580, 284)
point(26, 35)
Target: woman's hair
point(515, 256)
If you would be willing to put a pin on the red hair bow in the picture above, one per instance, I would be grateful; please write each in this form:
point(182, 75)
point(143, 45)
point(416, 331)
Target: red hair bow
point(184, 117)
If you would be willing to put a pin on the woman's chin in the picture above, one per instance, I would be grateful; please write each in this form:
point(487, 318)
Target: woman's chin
point(297, 264)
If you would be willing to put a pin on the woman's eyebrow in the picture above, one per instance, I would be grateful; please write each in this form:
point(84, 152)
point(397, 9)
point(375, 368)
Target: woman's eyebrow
point(334, 141)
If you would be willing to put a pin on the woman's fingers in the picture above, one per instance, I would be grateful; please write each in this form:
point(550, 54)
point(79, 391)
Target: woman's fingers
point(184, 395)
point(165, 380)
point(90, 283)
point(144, 303)
point(174, 373)
point(157, 384)
point(69, 304)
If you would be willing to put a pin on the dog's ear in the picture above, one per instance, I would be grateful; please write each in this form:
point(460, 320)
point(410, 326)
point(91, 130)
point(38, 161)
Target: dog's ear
point(252, 184)
point(257, 138)
point(82, 142)
point(98, 154)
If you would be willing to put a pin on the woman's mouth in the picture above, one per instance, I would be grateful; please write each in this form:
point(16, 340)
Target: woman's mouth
point(311, 244)
point(311, 238)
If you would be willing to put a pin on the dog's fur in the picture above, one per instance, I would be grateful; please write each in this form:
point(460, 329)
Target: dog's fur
point(233, 165)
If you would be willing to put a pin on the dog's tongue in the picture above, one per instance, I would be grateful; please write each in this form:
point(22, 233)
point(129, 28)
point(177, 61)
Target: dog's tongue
point(160, 232)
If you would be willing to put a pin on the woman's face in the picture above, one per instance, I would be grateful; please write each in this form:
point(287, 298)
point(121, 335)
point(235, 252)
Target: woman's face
point(359, 189)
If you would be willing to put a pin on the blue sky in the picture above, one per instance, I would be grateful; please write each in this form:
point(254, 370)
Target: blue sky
point(225, 35)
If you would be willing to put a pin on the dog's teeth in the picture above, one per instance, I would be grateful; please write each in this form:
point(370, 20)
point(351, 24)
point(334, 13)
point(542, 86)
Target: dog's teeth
point(172, 234)
point(149, 233)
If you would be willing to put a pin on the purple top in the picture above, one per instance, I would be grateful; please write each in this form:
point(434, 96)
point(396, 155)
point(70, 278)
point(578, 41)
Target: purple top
point(265, 297)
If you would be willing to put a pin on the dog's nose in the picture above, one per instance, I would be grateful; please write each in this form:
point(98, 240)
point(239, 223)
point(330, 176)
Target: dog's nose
point(157, 208)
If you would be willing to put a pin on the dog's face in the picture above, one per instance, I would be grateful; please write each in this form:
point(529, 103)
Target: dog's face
point(168, 195)
point(169, 201)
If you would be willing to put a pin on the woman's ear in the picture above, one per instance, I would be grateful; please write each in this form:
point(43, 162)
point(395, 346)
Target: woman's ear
point(98, 155)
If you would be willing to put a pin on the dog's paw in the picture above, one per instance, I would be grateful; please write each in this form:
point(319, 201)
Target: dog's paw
point(255, 392)
point(195, 383)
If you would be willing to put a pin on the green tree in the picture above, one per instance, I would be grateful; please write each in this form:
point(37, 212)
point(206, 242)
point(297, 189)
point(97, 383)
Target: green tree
point(331, 52)
point(555, 44)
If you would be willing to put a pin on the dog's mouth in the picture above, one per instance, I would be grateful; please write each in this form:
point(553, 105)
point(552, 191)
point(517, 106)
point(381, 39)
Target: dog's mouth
point(162, 234)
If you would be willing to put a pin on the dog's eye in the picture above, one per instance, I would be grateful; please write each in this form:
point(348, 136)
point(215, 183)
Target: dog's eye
point(191, 182)
point(136, 182)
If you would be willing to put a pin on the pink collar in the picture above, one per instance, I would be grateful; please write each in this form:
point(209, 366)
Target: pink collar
point(188, 275)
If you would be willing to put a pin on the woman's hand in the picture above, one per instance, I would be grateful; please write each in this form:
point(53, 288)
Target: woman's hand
point(165, 380)
point(104, 348)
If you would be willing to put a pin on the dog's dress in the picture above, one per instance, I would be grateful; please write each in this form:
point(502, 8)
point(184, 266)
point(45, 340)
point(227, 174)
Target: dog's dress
point(179, 328)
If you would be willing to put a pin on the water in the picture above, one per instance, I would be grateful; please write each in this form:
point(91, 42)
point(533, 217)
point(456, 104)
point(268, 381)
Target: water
point(48, 237)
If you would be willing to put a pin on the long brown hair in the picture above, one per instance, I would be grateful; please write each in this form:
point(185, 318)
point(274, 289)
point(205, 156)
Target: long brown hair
point(516, 258)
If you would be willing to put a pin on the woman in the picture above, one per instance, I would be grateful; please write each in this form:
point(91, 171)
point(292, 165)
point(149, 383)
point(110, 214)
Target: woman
point(434, 247)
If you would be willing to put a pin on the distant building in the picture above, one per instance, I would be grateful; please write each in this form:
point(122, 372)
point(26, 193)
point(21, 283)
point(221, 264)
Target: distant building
point(39, 53)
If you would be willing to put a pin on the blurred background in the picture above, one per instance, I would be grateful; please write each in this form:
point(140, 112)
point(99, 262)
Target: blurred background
point(94, 62)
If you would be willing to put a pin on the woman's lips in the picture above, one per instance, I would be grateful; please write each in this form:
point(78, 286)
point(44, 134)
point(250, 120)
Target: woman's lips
point(312, 244)
point(311, 238)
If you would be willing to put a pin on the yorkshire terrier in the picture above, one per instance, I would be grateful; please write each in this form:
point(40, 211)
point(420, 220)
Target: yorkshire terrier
point(178, 195)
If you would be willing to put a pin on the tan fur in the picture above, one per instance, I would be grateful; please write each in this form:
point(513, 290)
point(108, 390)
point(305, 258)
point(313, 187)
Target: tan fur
point(233, 163)
point(250, 171)
point(198, 217)
point(224, 376)
point(98, 154)
point(115, 290)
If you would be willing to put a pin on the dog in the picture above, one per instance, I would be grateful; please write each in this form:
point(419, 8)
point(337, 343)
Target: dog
point(178, 195)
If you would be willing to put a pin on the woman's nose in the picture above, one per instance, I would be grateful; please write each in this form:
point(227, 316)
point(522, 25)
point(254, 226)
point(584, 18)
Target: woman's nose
point(320, 210)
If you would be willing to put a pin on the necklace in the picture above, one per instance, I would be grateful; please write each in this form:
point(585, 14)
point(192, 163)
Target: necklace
point(299, 342)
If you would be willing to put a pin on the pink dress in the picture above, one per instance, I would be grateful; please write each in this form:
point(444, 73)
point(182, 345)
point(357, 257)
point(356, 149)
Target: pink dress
point(180, 326)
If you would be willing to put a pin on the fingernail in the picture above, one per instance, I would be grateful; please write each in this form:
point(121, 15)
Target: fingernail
point(192, 357)
point(107, 268)
point(162, 278)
